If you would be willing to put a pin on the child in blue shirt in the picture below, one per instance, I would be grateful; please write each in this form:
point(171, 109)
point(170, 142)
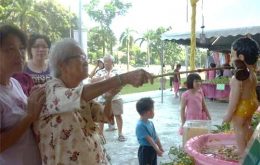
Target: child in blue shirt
point(150, 145)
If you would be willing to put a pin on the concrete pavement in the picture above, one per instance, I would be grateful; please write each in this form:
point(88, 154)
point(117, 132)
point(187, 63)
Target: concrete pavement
point(166, 121)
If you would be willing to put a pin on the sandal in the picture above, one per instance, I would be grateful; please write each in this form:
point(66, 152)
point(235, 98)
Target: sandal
point(121, 138)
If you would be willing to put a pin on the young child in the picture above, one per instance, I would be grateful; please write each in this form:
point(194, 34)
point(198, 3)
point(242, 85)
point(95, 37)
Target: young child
point(150, 145)
point(176, 80)
point(193, 106)
point(211, 74)
point(242, 100)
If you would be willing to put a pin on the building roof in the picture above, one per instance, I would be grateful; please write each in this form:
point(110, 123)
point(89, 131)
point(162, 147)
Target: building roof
point(216, 40)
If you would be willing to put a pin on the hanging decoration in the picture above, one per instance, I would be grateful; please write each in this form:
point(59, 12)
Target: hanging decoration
point(202, 35)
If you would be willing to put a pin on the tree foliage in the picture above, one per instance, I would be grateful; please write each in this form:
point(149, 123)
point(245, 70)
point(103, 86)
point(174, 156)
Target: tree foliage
point(139, 57)
point(127, 40)
point(59, 20)
point(146, 38)
point(171, 51)
point(156, 48)
point(104, 15)
point(21, 13)
point(95, 42)
point(46, 17)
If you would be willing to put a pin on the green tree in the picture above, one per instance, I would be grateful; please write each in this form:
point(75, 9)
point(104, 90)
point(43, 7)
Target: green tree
point(95, 42)
point(139, 56)
point(147, 37)
point(127, 39)
point(21, 13)
point(201, 56)
point(104, 15)
point(46, 17)
point(111, 40)
point(60, 20)
point(157, 46)
point(173, 53)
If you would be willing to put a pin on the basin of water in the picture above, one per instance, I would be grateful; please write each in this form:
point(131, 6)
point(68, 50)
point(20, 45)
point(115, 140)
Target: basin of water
point(213, 149)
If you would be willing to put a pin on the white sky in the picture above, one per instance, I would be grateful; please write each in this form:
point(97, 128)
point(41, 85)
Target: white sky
point(151, 14)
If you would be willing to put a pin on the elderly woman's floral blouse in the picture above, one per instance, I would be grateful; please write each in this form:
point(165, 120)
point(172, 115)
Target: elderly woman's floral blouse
point(66, 131)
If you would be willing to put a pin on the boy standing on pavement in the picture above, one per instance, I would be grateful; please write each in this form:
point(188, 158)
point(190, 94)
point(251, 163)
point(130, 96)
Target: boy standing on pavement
point(150, 145)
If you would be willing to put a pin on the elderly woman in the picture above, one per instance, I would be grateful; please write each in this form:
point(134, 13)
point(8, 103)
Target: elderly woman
point(17, 113)
point(66, 129)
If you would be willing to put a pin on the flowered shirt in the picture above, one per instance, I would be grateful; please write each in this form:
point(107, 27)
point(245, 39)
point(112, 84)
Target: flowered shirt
point(66, 131)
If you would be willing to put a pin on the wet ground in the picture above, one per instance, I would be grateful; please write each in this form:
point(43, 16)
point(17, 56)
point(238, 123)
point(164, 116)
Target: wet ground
point(166, 121)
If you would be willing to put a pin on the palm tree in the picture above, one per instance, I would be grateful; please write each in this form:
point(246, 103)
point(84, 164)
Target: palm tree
point(126, 39)
point(24, 14)
point(147, 37)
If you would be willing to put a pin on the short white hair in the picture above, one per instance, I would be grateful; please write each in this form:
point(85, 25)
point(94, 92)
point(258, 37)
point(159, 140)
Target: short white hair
point(109, 56)
point(59, 52)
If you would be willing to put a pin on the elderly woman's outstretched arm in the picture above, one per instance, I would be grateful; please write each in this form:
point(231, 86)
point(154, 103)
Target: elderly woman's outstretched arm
point(63, 99)
point(69, 68)
point(135, 78)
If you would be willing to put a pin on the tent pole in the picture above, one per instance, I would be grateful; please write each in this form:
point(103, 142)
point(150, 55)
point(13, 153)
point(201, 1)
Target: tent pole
point(186, 59)
point(162, 70)
point(215, 40)
point(193, 34)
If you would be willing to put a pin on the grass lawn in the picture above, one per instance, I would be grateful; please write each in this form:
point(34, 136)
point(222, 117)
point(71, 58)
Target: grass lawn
point(146, 87)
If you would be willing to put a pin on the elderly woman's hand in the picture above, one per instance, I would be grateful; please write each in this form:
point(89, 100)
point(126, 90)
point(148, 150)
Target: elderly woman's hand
point(36, 101)
point(137, 77)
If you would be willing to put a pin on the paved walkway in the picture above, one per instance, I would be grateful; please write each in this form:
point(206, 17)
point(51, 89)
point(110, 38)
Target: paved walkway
point(166, 121)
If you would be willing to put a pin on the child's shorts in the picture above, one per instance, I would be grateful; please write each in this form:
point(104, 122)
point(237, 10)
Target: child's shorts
point(147, 155)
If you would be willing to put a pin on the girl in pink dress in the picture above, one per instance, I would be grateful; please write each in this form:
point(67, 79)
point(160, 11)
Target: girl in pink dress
point(211, 74)
point(176, 80)
point(193, 105)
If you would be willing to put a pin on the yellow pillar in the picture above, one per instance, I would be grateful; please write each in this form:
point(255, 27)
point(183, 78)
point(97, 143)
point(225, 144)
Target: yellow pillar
point(193, 34)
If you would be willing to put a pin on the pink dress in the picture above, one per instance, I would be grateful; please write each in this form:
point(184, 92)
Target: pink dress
point(211, 74)
point(193, 102)
point(176, 82)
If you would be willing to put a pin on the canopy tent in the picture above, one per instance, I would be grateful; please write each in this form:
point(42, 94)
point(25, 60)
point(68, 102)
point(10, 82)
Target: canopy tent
point(215, 40)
